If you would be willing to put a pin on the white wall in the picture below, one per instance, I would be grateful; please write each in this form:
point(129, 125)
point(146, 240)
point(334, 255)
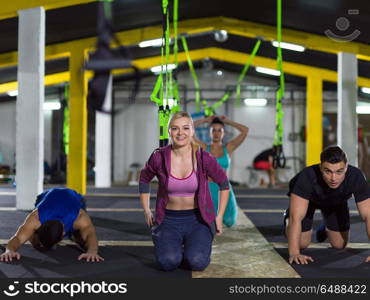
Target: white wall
point(261, 123)
point(7, 133)
point(135, 137)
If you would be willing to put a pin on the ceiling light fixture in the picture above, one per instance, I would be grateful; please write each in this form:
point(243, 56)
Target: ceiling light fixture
point(268, 71)
point(362, 110)
point(13, 93)
point(289, 46)
point(151, 43)
point(52, 105)
point(365, 90)
point(158, 69)
point(255, 101)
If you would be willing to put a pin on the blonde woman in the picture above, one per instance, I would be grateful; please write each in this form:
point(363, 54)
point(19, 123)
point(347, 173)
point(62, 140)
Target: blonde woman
point(185, 221)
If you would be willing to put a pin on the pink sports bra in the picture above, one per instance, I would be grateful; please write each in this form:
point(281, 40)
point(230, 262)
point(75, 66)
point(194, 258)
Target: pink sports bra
point(183, 187)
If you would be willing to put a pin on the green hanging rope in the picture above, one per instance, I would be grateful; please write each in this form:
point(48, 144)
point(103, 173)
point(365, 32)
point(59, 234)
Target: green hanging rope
point(157, 90)
point(164, 6)
point(108, 9)
point(195, 78)
point(174, 90)
point(175, 32)
point(279, 158)
point(244, 71)
point(221, 101)
point(210, 111)
point(167, 51)
point(166, 87)
point(163, 81)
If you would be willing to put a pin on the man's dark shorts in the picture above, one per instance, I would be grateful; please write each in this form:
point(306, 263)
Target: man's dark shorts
point(336, 217)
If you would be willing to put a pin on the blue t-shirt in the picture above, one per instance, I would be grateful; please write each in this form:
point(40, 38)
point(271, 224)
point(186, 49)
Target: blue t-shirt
point(60, 204)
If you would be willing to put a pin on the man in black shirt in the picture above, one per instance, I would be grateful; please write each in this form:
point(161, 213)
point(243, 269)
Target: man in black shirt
point(326, 186)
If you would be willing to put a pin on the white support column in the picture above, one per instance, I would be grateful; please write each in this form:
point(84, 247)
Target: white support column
point(29, 107)
point(103, 142)
point(347, 100)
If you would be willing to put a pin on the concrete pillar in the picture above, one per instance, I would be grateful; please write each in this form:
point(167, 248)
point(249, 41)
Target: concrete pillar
point(347, 100)
point(29, 107)
point(103, 142)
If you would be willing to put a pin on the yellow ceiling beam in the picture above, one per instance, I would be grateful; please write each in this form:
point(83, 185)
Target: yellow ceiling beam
point(267, 32)
point(193, 26)
point(10, 8)
point(250, 30)
point(309, 40)
point(8, 59)
point(196, 26)
point(51, 79)
point(9, 86)
point(240, 58)
point(213, 53)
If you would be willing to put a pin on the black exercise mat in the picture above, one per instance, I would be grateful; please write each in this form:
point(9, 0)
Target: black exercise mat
point(120, 262)
point(109, 225)
point(271, 227)
point(333, 263)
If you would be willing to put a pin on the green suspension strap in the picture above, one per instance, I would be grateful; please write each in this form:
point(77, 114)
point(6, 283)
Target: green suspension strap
point(167, 57)
point(107, 8)
point(279, 158)
point(174, 89)
point(244, 71)
point(171, 79)
point(210, 111)
point(168, 77)
point(195, 77)
point(159, 101)
point(158, 91)
point(166, 86)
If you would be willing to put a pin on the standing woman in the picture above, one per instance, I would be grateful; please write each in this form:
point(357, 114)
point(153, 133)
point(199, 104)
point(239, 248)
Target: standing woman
point(222, 154)
point(185, 220)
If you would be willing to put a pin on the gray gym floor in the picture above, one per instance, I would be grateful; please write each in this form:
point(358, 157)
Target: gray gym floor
point(125, 241)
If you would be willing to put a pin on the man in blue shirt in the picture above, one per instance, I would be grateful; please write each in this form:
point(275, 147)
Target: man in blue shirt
point(58, 212)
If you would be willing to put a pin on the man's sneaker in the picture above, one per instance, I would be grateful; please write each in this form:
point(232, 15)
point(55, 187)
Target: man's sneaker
point(285, 221)
point(321, 234)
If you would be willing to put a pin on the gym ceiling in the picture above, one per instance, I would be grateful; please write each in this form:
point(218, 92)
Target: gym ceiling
point(306, 22)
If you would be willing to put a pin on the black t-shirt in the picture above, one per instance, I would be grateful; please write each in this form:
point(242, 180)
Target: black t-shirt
point(264, 155)
point(309, 184)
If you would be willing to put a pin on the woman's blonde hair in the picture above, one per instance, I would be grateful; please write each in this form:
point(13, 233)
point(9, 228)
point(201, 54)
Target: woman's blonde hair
point(184, 114)
point(179, 115)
